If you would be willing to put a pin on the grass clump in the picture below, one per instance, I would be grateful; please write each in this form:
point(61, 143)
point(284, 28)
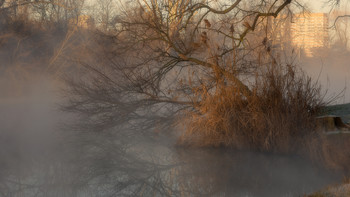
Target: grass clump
point(278, 116)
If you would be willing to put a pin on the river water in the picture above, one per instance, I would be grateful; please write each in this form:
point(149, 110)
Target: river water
point(41, 156)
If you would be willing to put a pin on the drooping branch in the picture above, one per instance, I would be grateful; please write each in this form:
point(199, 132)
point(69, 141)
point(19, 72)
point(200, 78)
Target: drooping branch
point(260, 14)
point(339, 17)
point(169, 33)
point(215, 11)
point(245, 90)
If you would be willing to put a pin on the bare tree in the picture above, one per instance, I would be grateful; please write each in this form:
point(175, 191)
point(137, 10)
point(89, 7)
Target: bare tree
point(44, 10)
point(104, 12)
point(334, 4)
point(170, 59)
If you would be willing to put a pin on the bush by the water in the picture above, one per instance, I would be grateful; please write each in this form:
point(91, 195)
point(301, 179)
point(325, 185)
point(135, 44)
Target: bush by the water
point(278, 116)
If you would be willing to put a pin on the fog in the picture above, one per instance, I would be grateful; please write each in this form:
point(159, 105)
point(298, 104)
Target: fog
point(46, 150)
point(41, 155)
point(332, 71)
point(45, 153)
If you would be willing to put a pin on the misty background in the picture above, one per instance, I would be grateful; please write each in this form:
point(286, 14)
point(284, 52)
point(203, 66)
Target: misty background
point(44, 152)
point(42, 156)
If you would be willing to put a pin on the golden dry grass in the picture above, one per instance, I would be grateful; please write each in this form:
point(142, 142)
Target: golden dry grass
point(342, 190)
point(339, 152)
point(279, 116)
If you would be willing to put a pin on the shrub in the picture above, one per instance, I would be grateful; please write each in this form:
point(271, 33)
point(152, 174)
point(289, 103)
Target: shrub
point(279, 115)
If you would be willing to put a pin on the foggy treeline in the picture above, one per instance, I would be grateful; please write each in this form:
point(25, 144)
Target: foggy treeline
point(162, 98)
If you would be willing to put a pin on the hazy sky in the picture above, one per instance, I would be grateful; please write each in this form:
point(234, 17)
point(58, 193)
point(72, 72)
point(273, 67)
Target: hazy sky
point(317, 6)
point(320, 6)
point(314, 5)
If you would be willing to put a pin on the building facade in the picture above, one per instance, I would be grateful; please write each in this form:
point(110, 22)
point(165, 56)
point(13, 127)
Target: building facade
point(309, 31)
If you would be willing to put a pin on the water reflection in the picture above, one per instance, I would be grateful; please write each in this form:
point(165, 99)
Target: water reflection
point(39, 158)
point(232, 173)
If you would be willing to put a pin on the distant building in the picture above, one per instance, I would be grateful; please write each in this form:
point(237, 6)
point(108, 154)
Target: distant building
point(304, 32)
point(310, 31)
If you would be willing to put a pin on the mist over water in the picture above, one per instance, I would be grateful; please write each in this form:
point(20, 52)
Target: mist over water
point(41, 157)
point(44, 152)
point(332, 71)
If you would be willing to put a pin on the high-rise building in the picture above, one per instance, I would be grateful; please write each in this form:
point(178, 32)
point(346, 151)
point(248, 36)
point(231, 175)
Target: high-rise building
point(304, 32)
point(309, 31)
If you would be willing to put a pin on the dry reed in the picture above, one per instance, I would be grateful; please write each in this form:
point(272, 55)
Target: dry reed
point(279, 116)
